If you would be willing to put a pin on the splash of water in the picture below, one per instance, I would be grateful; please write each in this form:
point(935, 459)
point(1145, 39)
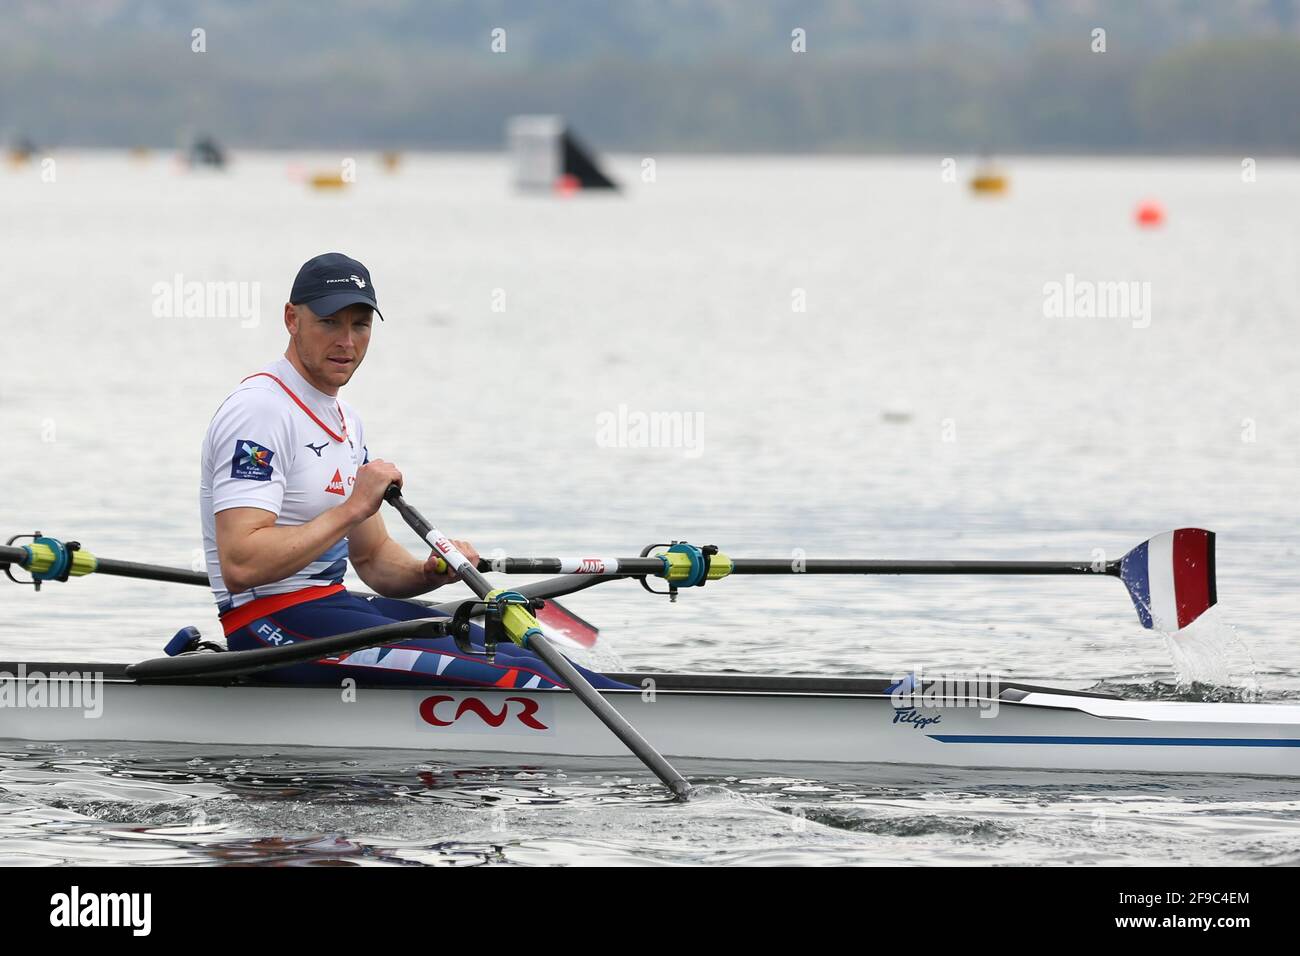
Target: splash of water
point(1211, 651)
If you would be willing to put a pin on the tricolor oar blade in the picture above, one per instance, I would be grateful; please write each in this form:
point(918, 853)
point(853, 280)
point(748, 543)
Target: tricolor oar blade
point(1171, 578)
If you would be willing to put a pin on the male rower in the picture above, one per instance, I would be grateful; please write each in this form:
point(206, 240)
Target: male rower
point(289, 495)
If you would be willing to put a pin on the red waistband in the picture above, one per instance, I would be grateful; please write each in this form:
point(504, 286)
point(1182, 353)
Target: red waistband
point(246, 614)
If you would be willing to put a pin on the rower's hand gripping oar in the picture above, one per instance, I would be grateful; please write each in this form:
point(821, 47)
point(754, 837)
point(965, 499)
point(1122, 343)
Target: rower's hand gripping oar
point(523, 628)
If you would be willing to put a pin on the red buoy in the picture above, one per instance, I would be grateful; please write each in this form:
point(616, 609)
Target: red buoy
point(1149, 214)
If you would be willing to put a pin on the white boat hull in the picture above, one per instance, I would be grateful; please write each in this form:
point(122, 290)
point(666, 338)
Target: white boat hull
point(1043, 730)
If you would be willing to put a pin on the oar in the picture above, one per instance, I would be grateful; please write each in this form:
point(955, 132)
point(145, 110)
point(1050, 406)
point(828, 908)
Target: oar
point(1170, 577)
point(524, 630)
point(49, 559)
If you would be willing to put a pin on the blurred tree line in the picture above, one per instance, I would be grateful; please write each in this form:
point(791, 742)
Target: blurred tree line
point(882, 75)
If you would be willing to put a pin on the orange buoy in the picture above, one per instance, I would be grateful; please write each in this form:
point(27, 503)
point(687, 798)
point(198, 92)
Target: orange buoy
point(568, 184)
point(1149, 214)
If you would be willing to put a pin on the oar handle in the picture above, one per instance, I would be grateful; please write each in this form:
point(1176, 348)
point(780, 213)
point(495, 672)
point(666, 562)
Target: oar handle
point(438, 541)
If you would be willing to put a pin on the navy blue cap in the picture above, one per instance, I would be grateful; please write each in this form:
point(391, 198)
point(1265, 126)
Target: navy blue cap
point(331, 282)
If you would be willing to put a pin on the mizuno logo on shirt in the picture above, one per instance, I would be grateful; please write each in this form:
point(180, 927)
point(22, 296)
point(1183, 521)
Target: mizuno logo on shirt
point(335, 487)
point(318, 448)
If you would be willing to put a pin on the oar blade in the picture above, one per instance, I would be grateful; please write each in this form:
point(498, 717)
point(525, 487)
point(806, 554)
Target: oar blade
point(563, 626)
point(1171, 578)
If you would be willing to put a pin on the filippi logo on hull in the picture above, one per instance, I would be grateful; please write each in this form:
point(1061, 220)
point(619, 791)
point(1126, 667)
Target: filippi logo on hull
point(912, 716)
point(488, 714)
point(918, 700)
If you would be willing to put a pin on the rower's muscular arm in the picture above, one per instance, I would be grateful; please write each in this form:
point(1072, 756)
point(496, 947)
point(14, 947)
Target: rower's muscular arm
point(253, 551)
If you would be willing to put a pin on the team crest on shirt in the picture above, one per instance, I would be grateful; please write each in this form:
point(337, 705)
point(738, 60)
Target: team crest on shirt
point(335, 487)
point(251, 461)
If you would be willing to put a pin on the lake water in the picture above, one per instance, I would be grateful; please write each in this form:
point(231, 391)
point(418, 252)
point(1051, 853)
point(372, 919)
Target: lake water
point(868, 363)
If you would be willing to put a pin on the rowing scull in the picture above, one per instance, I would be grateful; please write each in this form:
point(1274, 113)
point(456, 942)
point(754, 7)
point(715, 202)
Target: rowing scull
point(718, 717)
point(209, 698)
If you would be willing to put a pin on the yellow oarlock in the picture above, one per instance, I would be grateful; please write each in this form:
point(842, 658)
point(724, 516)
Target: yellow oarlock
point(44, 558)
point(680, 567)
point(519, 622)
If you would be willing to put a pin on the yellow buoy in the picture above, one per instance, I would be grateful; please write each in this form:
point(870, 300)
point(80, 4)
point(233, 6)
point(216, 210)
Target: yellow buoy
point(988, 182)
point(327, 181)
point(391, 160)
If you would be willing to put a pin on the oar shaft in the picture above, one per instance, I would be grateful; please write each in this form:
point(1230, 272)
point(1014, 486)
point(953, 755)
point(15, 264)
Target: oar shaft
point(121, 569)
point(632, 567)
point(610, 717)
point(574, 680)
point(855, 566)
point(151, 572)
